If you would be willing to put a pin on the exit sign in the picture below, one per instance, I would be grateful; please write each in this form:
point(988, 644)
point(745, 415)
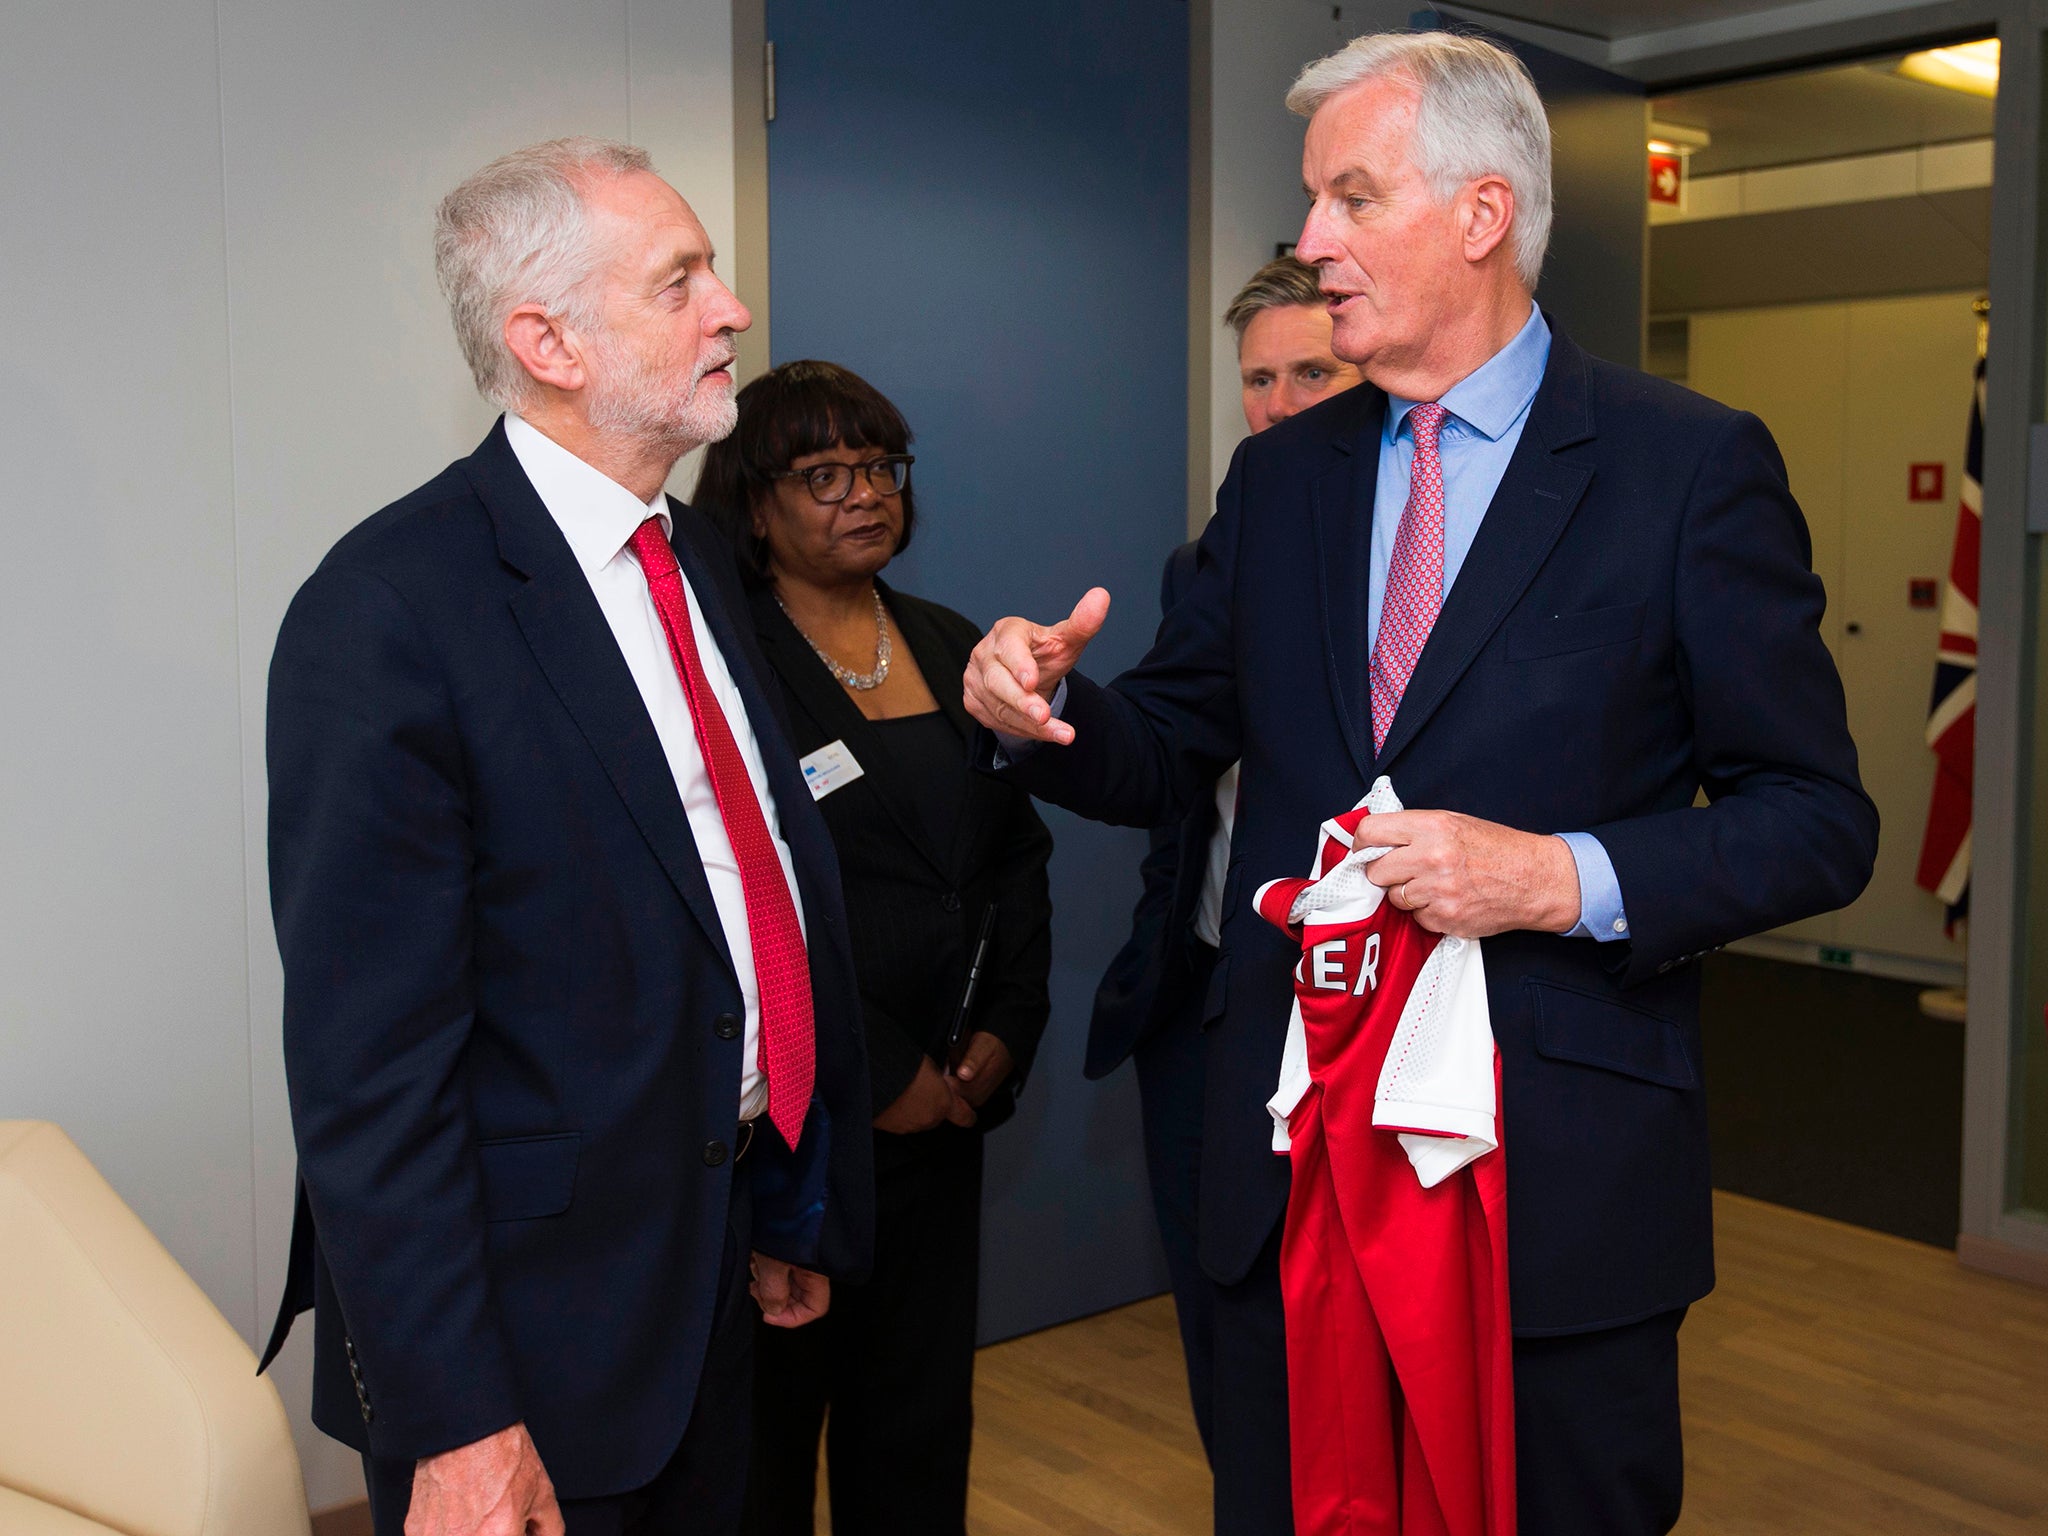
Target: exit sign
point(1667, 179)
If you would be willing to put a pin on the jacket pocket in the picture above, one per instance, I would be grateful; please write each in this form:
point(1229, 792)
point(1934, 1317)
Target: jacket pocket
point(1557, 634)
point(529, 1176)
point(1601, 1032)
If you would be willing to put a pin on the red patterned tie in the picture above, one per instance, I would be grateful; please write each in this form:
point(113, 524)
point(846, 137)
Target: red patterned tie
point(1415, 576)
point(782, 970)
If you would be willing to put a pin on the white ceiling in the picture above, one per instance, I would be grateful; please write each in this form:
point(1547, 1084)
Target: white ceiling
point(1610, 19)
point(1851, 109)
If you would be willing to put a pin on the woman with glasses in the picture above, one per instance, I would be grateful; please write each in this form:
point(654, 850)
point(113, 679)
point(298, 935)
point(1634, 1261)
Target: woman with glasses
point(946, 901)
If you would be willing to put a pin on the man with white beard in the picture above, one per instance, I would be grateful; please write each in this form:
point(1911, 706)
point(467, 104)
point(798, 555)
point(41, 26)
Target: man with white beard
point(569, 1010)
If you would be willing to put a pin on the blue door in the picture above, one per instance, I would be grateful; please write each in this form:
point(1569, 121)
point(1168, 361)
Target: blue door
point(983, 210)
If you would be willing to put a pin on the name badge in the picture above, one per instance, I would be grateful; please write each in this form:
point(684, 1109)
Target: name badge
point(830, 767)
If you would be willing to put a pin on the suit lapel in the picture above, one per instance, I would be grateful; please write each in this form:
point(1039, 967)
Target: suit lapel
point(566, 630)
point(1341, 503)
point(1528, 514)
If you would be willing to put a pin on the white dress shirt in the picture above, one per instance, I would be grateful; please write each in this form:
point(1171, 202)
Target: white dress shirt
point(598, 516)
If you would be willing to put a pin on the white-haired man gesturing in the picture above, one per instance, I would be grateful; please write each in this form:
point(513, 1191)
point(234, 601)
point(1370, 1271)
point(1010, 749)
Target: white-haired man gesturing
point(1553, 599)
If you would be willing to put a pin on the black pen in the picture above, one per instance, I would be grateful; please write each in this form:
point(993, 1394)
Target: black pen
point(956, 1037)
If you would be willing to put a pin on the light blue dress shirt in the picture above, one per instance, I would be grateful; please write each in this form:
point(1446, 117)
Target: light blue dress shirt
point(1487, 410)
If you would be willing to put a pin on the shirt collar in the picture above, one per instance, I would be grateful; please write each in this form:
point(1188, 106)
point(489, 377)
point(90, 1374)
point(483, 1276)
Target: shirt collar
point(1492, 397)
point(596, 514)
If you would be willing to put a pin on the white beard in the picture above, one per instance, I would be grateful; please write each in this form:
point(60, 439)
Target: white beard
point(634, 398)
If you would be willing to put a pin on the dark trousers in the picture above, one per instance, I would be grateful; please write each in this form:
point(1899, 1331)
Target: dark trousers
point(1234, 1336)
point(893, 1361)
point(701, 1489)
point(1597, 1445)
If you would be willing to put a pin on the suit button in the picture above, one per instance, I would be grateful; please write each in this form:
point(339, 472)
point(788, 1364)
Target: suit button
point(950, 902)
point(727, 1026)
point(714, 1153)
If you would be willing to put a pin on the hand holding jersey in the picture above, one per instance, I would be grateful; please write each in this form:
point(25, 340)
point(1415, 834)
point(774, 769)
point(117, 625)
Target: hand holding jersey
point(1460, 875)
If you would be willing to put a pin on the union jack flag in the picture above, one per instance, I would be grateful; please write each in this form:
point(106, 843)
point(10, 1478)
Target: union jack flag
point(1952, 715)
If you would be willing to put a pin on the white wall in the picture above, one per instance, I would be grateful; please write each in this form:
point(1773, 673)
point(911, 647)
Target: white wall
point(1256, 202)
point(225, 348)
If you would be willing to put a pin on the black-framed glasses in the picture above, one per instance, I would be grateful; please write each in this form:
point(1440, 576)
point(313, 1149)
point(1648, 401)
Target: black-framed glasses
point(830, 483)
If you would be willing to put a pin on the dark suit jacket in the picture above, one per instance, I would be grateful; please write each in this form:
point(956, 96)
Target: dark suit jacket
point(914, 908)
point(512, 1029)
point(1152, 979)
point(1637, 621)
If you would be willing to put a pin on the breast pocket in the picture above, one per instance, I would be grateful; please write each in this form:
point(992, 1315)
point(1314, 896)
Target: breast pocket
point(1559, 634)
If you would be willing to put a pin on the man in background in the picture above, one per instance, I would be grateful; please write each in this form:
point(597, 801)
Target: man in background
point(1156, 993)
point(570, 1023)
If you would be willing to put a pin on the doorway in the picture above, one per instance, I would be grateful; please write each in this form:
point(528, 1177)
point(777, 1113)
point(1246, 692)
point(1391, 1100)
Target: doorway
point(1819, 255)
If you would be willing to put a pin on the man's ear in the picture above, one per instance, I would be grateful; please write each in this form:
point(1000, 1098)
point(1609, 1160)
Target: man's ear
point(546, 348)
point(1487, 210)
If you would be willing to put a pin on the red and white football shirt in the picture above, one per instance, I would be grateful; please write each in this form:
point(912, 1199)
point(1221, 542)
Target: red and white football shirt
point(1394, 1257)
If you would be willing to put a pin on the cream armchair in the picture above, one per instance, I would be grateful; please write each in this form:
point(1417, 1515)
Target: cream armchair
point(127, 1403)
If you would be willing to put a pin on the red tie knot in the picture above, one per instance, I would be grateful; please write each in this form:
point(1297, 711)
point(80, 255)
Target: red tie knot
point(1426, 420)
point(651, 548)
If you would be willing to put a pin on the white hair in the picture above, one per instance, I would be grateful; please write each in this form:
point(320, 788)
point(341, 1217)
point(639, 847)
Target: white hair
point(518, 232)
point(1479, 115)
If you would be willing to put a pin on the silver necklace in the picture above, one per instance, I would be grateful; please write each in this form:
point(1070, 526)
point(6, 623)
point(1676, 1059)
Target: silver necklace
point(859, 681)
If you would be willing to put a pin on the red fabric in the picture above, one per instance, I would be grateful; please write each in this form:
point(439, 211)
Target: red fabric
point(1944, 866)
point(782, 968)
point(1415, 575)
point(1399, 1351)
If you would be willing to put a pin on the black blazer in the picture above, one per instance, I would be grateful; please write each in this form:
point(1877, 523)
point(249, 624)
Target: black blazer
point(1637, 621)
point(511, 1027)
point(914, 909)
point(1152, 979)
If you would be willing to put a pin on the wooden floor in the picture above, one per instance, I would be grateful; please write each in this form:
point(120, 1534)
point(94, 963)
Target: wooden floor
point(1838, 1381)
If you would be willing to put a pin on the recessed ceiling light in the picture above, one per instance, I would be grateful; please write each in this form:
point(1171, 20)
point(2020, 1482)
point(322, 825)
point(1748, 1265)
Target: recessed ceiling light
point(1677, 139)
point(1970, 67)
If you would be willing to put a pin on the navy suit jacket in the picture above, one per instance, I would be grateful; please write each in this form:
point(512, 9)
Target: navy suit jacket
point(1637, 622)
point(1151, 980)
point(512, 1028)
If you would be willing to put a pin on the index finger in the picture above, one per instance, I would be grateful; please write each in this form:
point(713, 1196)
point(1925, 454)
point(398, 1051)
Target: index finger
point(1016, 645)
point(994, 696)
point(999, 701)
point(1396, 829)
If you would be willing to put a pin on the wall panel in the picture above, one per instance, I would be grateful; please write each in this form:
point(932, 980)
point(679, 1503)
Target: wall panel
point(223, 214)
point(123, 1014)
